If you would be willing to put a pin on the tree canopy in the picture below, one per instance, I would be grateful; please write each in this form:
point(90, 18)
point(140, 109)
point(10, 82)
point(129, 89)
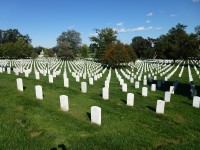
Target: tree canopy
point(68, 44)
point(104, 38)
point(117, 53)
point(84, 50)
point(142, 47)
point(177, 44)
point(14, 45)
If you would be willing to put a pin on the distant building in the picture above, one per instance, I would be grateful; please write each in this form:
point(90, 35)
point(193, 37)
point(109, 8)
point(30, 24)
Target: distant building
point(41, 54)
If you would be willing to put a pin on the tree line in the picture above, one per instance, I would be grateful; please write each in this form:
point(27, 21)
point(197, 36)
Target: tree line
point(176, 44)
point(105, 47)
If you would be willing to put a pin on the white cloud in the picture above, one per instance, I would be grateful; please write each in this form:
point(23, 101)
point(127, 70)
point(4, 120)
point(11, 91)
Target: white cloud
point(173, 15)
point(150, 14)
point(121, 30)
point(148, 21)
point(141, 28)
point(195, 1)
point(120, 24)
point(158, 28)
point(71, 27)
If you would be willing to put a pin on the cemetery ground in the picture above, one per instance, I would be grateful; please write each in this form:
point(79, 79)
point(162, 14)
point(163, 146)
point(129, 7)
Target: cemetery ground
point(29, 123)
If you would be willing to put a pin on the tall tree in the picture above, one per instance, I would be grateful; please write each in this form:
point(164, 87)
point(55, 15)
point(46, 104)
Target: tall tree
point(177, 44)
point(68, 43)
point(115, 54)
point(131, 52)
point(14, 45)
point(84, 50)
point(197, 31)
point(104, 37)
point(141, 46)
point(12, 35)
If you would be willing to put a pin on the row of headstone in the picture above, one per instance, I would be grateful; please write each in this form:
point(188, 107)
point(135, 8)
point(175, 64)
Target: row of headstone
point(39, 94)
point(105, 89)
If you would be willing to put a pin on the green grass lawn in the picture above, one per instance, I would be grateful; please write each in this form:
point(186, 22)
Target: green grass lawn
point(27, 123)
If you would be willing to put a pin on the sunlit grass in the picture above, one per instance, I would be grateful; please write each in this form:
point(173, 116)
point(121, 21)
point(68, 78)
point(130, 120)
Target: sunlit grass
point(28, 123)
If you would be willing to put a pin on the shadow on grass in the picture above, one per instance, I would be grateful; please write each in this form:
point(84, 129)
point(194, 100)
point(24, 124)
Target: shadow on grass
point(190, 104)
point(139, 93)
point(151, 108)
point(182, 89)
point(60, 147)
point(101, 95)
point(89, 115)
point(124, 101)
point(24, 88)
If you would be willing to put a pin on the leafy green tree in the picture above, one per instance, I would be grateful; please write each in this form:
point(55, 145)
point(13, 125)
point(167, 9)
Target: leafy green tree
point(197, 31)
point(68, 44)
point(115, 54)
point(160, 46)
point(104, 38)
point(177, 44)
point(9, 50)
point(51, 52)
point(131, 52)
point(38, 49)
point(141, 46)
point(34, 54)
point(14, 45)
point(12, 35)
point(22, 48)
point(84, 51)
point(93, 48)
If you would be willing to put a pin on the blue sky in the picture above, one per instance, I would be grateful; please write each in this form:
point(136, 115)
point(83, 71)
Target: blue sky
point(45, 20)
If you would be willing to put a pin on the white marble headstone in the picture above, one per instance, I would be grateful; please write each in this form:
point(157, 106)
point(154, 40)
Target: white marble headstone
point(144, 91)
point(64, 103)
point(167, 96)
point(144, 82)
point(160, 107)
point(105, 93)
point(137, 84)
point(20, 84)
point(84, 87)
point(95, 77)
point(121, 81)
point(66, 82)
point(155, 77)
point(124, 87)
point(153, 87)
point(37, 75)
point(50, 78)
point(91, 81)
point(39, 92)
point(196, 102)
point(130, 99)
point(132, 80)
point(106, 83)
point(77, 78)
point(171, 89)
point(96, 115)
point(8, 70)
point(26, 73)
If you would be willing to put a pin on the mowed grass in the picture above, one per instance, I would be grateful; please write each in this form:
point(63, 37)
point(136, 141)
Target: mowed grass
point(28, 123)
